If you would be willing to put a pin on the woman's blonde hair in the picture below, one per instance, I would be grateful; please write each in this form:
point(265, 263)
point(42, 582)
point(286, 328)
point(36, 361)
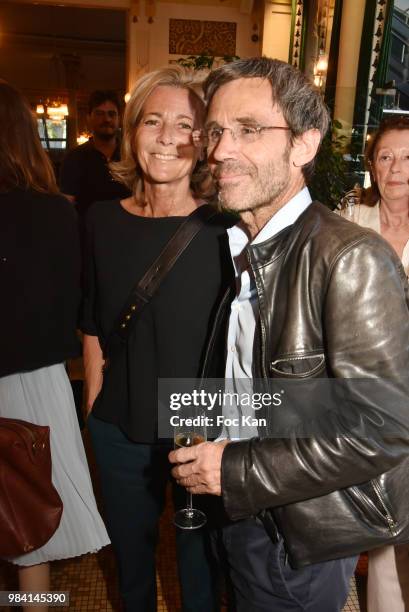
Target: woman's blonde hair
point(127, 171)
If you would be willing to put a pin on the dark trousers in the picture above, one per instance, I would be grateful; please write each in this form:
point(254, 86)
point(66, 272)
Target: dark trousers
point(263, 580)
point(133, 481)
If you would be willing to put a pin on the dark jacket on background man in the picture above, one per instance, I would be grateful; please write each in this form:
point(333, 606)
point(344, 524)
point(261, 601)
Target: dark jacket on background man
point(85, 175)
point(333, 302)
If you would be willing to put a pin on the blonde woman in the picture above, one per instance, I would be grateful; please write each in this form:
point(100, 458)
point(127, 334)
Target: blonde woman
point(161, 165)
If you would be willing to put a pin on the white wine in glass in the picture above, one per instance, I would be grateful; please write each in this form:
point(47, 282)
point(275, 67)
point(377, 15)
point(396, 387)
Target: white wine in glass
point(188, 438)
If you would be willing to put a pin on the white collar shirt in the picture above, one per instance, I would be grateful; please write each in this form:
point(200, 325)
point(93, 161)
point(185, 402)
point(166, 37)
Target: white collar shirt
point(244, 317)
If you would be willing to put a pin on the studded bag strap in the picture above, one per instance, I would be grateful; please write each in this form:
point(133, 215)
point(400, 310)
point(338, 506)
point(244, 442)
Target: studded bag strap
point(148, 285)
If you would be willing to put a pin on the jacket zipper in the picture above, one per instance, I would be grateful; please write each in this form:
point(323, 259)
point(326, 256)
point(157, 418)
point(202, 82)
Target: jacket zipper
point(367, 502)
point(263, 347)
point(295, 358)
point(391, 522)
point(262, 326)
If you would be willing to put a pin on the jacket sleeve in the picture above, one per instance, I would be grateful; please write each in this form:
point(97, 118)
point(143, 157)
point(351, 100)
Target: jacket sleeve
point(365, 321)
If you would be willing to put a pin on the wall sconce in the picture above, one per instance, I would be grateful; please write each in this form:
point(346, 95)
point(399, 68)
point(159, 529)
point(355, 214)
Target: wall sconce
point(322, 64)
point(127, 97)
point(318, 81)
point(57, 111)
point(320, 71)
point(83, 138)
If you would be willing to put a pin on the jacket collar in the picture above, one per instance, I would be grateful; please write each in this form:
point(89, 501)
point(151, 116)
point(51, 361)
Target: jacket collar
point(271, 249)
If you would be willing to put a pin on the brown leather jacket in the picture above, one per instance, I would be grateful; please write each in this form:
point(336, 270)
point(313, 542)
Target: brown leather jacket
point(333, 301)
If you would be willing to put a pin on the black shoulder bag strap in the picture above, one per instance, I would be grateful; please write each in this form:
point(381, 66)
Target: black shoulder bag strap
point(145, 289)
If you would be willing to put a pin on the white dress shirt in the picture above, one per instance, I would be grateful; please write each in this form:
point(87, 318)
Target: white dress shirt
point(245, 314)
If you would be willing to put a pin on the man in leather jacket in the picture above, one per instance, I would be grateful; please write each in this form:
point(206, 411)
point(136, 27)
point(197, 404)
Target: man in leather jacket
point(317, 297)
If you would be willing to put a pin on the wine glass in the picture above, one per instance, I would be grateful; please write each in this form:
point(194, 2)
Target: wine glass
point(350, 203)
point(348, 212)
point(190, 431)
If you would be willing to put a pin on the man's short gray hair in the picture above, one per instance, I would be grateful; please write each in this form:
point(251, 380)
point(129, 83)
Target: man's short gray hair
point(301, 104)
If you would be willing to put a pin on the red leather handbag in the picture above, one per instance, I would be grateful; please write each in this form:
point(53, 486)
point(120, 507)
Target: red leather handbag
point(30, 507)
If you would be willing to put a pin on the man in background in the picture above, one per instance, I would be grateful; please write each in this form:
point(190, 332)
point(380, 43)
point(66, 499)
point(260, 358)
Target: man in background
point(85, 176)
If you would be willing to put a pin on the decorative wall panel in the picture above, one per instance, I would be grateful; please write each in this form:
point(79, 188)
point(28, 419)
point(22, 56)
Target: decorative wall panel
point(194, 37)
point(375, 79)
point(297, 33)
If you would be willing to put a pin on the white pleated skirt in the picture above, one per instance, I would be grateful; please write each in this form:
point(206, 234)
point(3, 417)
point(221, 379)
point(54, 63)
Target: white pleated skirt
point(44, 397)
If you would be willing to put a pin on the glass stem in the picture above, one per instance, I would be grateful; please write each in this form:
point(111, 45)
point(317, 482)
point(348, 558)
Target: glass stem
point(189, 504)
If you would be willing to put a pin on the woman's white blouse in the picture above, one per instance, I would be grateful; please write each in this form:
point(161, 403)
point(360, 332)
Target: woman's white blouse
point(369, 216)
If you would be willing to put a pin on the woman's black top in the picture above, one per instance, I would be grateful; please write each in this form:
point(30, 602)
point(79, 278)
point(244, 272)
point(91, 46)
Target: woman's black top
point(39, 279)
point(169, 336)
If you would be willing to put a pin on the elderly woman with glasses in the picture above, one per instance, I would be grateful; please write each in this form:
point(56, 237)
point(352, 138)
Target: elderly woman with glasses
point(161, 164)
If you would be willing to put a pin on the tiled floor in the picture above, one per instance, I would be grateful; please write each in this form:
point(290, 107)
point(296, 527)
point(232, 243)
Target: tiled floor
point(92, 584)
point(91, 579)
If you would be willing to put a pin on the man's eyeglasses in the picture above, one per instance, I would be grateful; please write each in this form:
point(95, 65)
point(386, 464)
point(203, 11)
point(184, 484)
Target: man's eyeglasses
point(243, 134)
